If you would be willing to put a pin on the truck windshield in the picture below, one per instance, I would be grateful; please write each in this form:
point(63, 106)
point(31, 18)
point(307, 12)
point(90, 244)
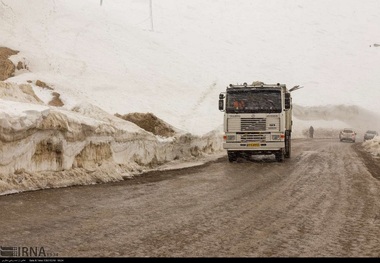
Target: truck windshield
point(253, 101)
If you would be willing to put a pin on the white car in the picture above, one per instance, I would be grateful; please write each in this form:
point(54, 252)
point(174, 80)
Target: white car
point(347, 135)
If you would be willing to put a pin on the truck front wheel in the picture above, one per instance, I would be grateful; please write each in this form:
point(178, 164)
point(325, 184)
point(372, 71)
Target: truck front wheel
point(280, 156)
point(232, 157)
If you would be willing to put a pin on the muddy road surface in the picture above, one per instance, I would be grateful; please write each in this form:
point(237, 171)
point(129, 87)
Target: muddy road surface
point(322, 202)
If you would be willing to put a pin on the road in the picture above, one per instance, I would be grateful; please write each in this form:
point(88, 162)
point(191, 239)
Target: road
point(322, 202)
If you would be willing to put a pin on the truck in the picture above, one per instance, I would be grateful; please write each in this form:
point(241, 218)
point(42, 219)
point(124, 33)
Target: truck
point(257, 120)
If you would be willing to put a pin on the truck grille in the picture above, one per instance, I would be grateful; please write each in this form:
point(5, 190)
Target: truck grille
point(253, 137)
point(253, 124)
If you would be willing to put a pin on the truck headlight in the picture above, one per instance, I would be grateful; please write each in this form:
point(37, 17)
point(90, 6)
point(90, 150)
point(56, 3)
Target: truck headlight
point(231, 138)
point(275, 137)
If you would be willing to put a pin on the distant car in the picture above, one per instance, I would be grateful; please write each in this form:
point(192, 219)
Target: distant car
point(369, 135)
point(347, 135)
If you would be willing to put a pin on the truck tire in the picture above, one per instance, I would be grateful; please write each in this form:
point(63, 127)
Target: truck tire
point(232, 157)
point(288, 145)
point(280, 156)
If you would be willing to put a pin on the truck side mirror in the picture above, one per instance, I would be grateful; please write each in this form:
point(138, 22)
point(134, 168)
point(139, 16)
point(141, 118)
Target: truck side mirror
point(287, 101)
point(221, 105)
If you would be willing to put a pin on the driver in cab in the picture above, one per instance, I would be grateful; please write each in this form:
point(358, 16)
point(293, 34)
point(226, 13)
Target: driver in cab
point(239, 104)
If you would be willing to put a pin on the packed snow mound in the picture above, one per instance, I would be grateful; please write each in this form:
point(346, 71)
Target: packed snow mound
point(373, 146)
point(44, 146)
point(22, 93)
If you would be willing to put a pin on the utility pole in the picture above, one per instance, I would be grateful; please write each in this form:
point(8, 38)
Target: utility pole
point(151, 15)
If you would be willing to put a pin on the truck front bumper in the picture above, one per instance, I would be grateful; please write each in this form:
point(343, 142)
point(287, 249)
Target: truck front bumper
point(259, 147)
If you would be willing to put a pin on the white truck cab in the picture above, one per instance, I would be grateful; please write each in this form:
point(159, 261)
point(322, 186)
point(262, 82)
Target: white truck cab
point(257, 120)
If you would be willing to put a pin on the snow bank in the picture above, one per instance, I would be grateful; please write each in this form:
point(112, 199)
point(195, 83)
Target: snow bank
point(44, 146)
point(373, 146)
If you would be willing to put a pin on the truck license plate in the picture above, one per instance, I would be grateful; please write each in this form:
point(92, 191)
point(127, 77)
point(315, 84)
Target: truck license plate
point(253, 144)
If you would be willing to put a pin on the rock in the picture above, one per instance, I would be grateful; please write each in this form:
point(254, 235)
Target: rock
point(7, 68)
